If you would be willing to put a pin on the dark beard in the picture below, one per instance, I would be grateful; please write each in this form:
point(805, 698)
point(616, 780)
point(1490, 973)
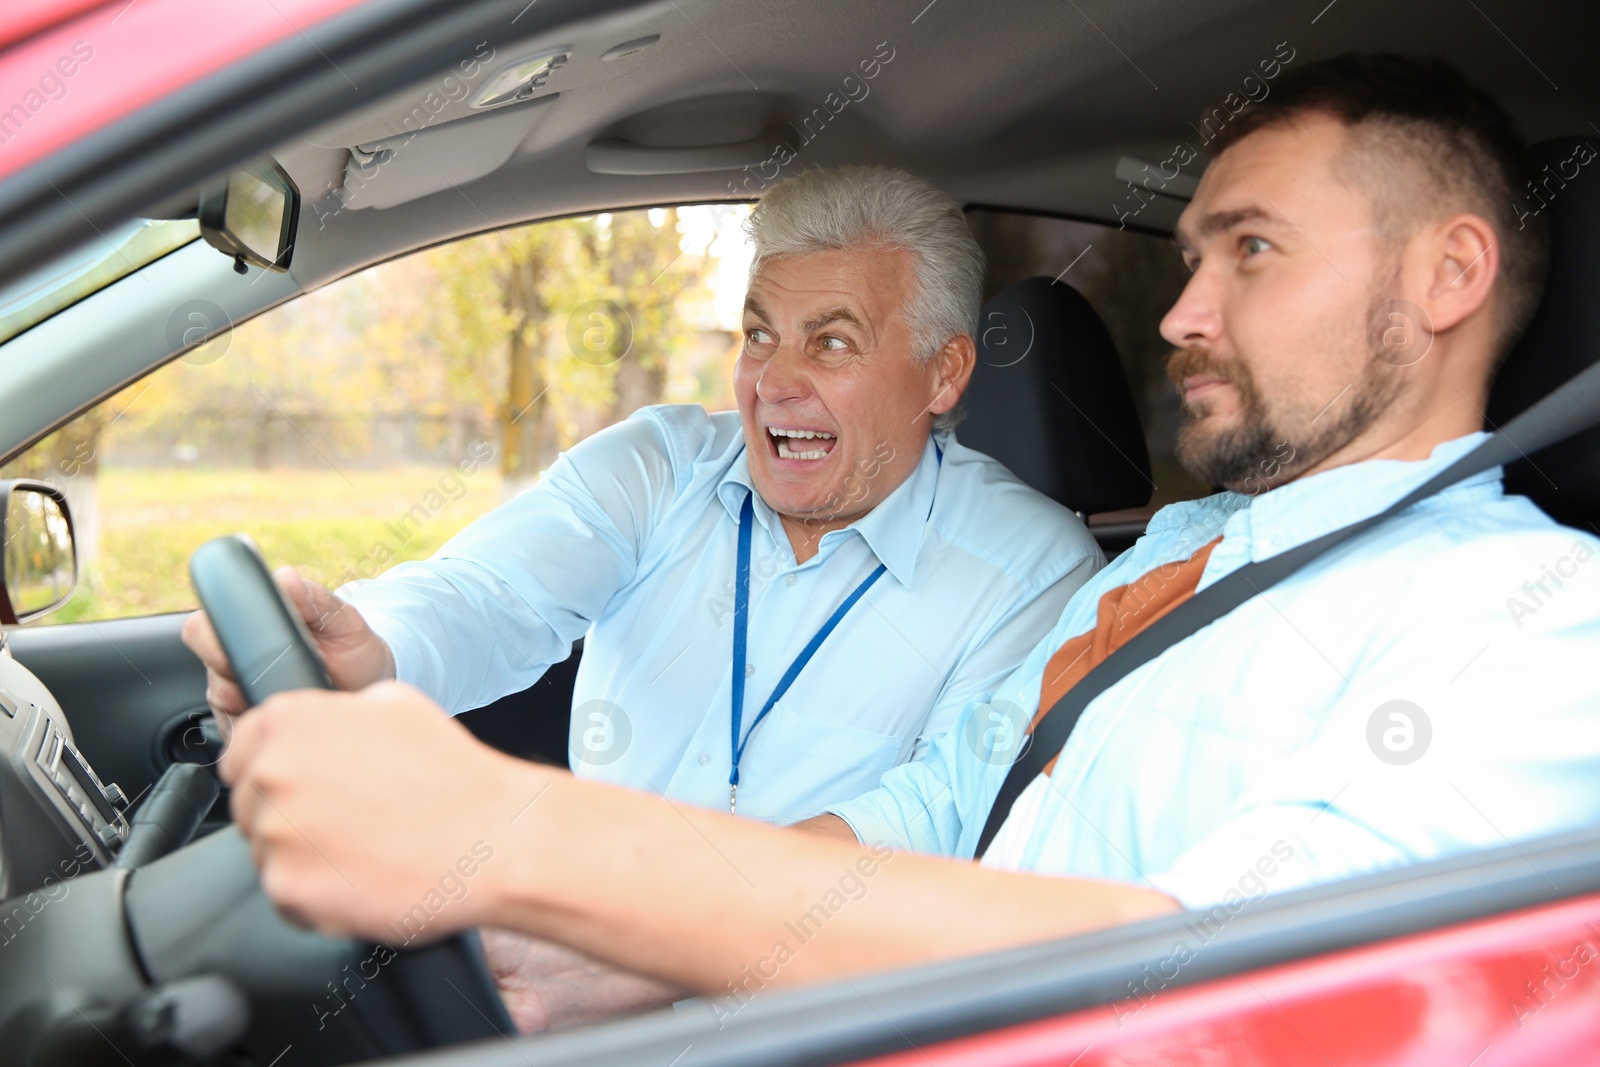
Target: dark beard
point(1230, 456)
point(1258, 453)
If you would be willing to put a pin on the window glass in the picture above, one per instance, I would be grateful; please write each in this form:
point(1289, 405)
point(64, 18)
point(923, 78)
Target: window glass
point(366, 423)
point(1131, 279)
point(89, 269)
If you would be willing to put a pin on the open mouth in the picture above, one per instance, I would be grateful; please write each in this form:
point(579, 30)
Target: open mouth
point(800, 444)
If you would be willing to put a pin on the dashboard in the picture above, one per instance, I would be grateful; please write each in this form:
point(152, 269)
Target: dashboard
point(137, 933)
point(57, 818)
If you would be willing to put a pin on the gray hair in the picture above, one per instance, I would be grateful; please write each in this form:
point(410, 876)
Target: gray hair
point(844, 207)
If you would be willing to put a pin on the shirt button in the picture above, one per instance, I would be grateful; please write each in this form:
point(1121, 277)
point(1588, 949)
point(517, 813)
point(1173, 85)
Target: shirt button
point(749, 670)
point(790, 580)
point(705, 758)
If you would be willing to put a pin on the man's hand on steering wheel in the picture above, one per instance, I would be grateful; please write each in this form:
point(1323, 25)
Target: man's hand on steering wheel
point(354, 655)
point(368, 810)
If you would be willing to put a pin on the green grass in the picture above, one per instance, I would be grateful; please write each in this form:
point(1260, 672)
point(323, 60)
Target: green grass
point(324, 522)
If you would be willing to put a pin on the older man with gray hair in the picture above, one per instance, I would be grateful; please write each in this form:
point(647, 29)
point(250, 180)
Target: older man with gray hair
point(780, 603)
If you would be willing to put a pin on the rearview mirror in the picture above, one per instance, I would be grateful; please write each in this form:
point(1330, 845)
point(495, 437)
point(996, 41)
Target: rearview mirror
point(252, 217)
point(38, 560)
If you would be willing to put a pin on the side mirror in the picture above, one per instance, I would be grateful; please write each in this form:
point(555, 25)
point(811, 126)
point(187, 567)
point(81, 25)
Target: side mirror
point(252, 217)
point(38, 560)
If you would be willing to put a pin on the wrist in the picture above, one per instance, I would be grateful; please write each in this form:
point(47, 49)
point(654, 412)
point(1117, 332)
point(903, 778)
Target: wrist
point(512, 891)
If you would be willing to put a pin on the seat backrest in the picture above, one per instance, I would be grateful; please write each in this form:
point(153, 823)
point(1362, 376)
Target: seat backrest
point(1049, 399)
point(1564, 336)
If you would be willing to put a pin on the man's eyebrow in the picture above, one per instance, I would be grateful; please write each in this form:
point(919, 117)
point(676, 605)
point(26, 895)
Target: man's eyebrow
point(753, 306)
point(1220, 222)
point(835, 314)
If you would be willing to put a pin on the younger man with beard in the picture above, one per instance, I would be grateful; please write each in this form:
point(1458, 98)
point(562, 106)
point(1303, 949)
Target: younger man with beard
point(1379, 707)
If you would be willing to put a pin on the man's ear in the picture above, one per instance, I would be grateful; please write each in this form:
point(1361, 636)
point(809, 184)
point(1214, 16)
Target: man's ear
point(954, 363)
point(1463, 260)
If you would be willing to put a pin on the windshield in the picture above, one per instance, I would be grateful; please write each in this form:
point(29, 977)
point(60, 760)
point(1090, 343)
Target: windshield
point(89, 269)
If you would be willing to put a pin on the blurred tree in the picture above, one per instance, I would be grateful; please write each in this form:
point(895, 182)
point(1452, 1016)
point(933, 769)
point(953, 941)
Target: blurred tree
point(590, 313)
point(651, 276)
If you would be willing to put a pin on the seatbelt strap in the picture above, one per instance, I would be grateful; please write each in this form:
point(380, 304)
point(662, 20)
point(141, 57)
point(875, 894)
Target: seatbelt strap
point(1570, 409)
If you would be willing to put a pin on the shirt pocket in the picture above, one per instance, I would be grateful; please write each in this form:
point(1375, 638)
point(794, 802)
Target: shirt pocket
point(797, 765)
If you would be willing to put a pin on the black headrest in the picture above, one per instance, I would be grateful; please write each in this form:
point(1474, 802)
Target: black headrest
point(1564, 336)
point(1049, 399)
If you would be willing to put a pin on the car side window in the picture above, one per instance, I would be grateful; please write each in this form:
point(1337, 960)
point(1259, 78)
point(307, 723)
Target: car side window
point(364, 424)
point(1131, 279)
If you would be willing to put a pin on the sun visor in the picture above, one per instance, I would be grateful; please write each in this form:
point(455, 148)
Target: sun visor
point(414, 163)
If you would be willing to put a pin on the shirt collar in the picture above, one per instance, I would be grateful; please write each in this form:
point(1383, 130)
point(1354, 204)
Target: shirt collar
point(893, 530)
point(1256, 528)
point(1307, 508)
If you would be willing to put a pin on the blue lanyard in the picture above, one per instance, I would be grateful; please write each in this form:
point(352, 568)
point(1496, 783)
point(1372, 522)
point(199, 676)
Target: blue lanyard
point(741, 623)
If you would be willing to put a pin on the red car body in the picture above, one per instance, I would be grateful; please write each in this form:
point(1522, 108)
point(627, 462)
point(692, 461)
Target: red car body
point(1521, 989)
point(138, 52)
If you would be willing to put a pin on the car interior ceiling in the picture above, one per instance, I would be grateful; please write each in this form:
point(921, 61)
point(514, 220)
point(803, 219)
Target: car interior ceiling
point(1032, 111)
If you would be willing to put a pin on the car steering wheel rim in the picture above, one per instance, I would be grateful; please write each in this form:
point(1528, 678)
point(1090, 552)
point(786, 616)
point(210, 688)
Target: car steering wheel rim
point(270, 651)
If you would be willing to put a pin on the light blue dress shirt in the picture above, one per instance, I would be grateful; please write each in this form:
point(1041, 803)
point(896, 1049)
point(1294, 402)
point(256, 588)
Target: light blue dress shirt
point(1426, 689)
point(629, 539)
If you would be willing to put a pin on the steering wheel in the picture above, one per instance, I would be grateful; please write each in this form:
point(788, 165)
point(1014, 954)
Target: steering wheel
point(184, 958)
point(396, 1000)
